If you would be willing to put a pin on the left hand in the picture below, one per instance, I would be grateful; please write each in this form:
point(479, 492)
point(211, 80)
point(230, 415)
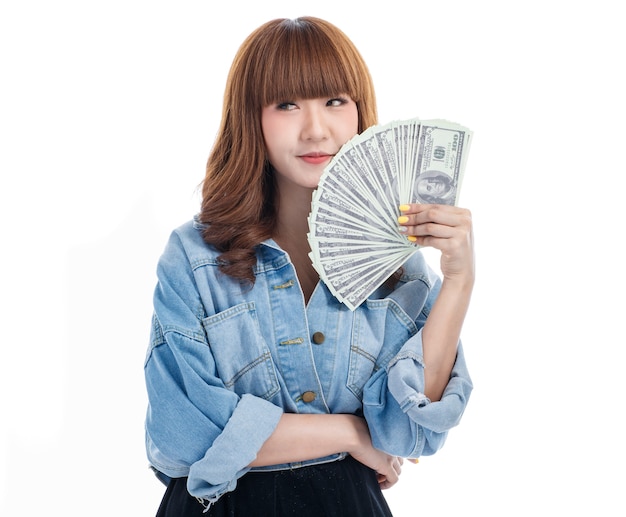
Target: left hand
point(446, 228)
point(384, 481)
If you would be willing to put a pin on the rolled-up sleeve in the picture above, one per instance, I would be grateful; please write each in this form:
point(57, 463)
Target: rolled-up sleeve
point(402, 420)
point(195, 426)
point(202, 430)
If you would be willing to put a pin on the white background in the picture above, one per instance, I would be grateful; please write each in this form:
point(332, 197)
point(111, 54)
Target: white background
point(107, 113)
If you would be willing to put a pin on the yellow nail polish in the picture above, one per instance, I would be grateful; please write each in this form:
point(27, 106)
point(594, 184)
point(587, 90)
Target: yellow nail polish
point(412, 238)
point(403, 219)
point(404, 208)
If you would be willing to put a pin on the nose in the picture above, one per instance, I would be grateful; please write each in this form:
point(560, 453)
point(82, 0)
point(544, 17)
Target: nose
point(315, 125)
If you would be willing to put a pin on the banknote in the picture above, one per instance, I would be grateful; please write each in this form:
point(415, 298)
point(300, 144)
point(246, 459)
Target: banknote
point(353, 230)
point(440, 163)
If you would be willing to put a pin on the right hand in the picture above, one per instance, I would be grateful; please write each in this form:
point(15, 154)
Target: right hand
point(386, 466)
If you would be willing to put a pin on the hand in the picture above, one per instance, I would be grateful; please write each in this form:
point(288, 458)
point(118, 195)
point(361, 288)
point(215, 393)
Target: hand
point(387, 467)
point(446, 228)
point(386, 482)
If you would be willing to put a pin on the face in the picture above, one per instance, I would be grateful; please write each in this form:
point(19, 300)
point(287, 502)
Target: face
point(432, 187)
point(302, 136)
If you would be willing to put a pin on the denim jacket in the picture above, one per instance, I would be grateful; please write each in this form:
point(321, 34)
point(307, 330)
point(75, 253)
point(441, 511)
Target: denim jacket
point(225, 360)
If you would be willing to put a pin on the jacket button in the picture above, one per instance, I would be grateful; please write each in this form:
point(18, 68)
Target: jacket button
point(308, 396)
point(318, 338)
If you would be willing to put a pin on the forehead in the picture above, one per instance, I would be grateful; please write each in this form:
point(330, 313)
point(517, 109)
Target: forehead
point(307, 65)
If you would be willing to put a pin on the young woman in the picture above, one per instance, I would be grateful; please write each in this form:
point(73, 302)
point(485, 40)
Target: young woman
point(267, 396)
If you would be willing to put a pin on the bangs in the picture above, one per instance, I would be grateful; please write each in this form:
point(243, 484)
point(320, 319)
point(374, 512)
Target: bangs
point(303, 61)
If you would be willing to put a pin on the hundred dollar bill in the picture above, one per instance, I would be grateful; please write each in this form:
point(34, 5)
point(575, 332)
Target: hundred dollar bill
point(355, 286)
point(354, 235)
point(347, 200)
point(441, 159)
point(371, 181)
point(406, 138)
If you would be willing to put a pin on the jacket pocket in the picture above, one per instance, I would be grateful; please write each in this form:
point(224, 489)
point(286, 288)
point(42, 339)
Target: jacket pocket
point(380, 329)
point(243, 359)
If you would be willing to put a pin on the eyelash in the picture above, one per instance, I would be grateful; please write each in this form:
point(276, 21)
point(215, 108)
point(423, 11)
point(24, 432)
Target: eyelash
point(341, 100)
point(331, 102)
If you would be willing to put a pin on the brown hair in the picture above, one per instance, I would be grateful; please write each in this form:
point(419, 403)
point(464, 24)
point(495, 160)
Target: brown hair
point(282, 60)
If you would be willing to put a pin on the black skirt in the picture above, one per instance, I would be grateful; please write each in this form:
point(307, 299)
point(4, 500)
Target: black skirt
point(343, 488)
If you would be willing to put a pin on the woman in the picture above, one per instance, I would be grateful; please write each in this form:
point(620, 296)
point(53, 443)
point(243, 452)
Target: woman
point(267, 396)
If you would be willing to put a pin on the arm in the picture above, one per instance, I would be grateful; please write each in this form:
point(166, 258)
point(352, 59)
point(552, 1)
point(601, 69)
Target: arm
point(422, 392)
point(195, 426)
point(300, 437)
point(448, 229)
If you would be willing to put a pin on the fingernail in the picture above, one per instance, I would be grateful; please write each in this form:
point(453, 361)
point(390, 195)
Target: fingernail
point(412, 238)
point(404, 208)
point(414, 460)
point(402, 229)
point(403, 219)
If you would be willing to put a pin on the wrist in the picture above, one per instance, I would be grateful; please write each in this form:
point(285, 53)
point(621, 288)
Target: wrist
point(460, 283)
point(358, 436)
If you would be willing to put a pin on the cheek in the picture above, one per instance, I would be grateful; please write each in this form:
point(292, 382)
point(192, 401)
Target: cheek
point(352, 122)
point(272, 131)
point(266, 123)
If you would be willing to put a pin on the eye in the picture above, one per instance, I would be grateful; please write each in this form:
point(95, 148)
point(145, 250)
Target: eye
point(286, 106)
point(337, 101)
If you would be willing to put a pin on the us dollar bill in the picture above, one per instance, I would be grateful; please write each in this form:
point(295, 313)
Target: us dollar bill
point(354, 235)
point(443, 149)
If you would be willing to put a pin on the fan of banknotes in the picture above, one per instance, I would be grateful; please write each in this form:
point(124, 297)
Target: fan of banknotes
point(353, 225)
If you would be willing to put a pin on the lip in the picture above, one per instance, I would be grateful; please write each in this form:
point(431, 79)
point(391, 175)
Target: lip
point(315, 158)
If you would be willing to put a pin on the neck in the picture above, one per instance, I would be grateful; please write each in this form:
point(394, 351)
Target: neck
point(292, 218)
point(291, 235)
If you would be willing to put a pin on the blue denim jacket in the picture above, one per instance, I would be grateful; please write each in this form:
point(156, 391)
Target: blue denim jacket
point(225, 360)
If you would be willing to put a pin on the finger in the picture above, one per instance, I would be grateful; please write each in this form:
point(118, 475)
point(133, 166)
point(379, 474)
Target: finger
point(456, 228)
point(382, 481)
point(388, 476)
point(418, 208)
point(394, 469)
point(451, 245)
point(442, 214)
point(385, 483)
point(440, 231)
point(429, 229)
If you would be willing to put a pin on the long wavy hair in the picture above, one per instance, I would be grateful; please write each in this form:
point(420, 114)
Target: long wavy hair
point(284, 59)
